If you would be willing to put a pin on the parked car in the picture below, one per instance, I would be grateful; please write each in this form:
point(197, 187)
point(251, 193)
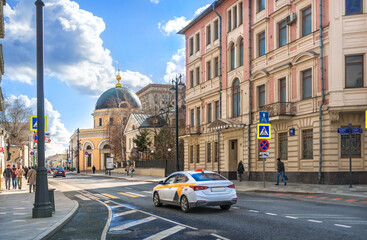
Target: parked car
point(189, 189)
point(59, 172)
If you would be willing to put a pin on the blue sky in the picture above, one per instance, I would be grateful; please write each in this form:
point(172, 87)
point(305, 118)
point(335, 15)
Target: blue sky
point(86, 41)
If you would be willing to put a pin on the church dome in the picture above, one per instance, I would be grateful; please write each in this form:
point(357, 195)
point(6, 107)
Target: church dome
point(118, 97)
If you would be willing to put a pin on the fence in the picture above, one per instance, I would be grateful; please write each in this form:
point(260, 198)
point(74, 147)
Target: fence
point(168, 165)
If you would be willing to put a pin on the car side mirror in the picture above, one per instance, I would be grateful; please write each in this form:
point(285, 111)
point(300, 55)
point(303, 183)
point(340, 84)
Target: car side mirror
point(161, 183)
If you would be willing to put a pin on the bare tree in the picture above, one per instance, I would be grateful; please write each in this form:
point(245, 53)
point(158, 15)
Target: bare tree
point(116, 138)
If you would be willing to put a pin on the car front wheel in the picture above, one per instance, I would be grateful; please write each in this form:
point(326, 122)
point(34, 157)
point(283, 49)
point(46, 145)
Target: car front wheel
point(156, 200)
point(185, 207)
point(225, 207)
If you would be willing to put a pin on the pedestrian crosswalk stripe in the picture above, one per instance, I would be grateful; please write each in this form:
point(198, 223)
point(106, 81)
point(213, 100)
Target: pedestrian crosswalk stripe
point(139, 195)
point(124, 213)
point(82, 197)
point(117, 206)
point(126, 194)
point(109, 195)
point(165, 233)
point(132, 224)
point(150, 192)
point(101, 196)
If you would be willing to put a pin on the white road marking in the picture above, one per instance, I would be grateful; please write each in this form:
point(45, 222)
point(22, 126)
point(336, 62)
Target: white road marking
point(315, 221)
point(344, 226)
point(149, 192)
point(291, 217)
point(118, 206)
point(253, 211)
point(136, 194)
point(219, 237)
point(82, 197)
point(123, 213)
point(236, 208)
point(101, 196)
point(132, 224)
point(271, 214)
point(165, 233)
point(128, 188)
point(20, 213)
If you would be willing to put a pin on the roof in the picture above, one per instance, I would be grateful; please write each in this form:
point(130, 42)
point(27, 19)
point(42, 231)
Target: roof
point(153, 122)
point(153, 85)
point(140, 117)
point(201, 16)
point(226, 123)
point(118, 97)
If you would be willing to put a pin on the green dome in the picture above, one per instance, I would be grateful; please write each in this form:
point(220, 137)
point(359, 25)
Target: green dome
point(118, 97)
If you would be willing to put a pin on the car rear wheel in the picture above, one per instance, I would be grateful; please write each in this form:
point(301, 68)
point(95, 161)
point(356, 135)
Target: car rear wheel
point(156, 200)
point(225, 207)
point(185, 207)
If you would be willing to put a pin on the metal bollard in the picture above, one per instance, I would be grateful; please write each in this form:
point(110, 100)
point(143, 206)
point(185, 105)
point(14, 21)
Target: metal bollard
point(52, 198)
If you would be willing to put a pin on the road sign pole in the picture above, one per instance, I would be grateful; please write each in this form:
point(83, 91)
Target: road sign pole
point(350, 155)
point(264, 171)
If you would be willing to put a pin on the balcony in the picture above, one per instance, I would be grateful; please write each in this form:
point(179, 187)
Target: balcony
point(279, 111)
point(189, 130)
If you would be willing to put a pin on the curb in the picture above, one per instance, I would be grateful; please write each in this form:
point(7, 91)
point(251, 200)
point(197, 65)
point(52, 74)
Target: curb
point(57, 226)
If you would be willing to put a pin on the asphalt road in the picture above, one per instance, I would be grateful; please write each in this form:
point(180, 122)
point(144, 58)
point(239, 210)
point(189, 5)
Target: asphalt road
point(118, 209)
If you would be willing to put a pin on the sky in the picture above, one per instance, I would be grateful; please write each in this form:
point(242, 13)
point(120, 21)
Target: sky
point(85, 43)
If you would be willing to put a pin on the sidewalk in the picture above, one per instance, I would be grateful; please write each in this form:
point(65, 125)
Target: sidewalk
point(256, 186)
point(16, 214)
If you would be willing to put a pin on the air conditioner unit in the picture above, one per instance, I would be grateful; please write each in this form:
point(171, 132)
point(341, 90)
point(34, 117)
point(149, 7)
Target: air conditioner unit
point(291, 18)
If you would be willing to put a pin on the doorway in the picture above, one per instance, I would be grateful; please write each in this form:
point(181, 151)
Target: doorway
point(233, 158)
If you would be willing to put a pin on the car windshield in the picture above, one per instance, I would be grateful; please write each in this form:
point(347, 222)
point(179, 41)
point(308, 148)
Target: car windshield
point(207, 177)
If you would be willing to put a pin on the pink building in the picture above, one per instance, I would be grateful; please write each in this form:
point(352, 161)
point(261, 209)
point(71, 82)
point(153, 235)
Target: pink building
point(277, 64)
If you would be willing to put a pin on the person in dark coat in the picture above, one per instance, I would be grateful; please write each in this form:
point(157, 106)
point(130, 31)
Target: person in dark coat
point(280, 169)
point(8, 172)
point(94, 169)
point(25, 172)
point(240, 170)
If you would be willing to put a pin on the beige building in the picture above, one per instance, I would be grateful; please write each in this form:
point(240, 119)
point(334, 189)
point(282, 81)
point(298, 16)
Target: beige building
point(279, 65)
point(2, 35)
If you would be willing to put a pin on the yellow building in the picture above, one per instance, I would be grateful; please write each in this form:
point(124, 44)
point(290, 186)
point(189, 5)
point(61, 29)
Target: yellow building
point(111, 112)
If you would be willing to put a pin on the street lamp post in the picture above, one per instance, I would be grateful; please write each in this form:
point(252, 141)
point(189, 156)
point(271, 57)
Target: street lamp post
point(77, 167)
point(176, 85)
point(42, 205)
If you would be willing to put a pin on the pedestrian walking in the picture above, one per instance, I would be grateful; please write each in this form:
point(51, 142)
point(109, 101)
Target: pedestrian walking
point(25, 172)
point(240, 170)
point(32, 175)
point(132, 170)
point(127, 170)
point(14, 178)
point(19, 173)
point(94, 169)
point(8, 172)
point(280, 169)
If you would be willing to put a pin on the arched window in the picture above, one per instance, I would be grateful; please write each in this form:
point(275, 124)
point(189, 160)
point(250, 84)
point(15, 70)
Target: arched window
point(241, 53)
point(106, 146)
point(89, 147)
point(236, 91)
point(232, 57)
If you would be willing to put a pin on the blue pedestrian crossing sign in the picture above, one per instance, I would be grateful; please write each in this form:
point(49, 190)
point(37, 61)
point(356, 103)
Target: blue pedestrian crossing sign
point(263, 131)
point(33, 123)
point(263, 117)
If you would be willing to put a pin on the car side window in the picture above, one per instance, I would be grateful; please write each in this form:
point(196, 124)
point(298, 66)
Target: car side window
point(171, 179)
point(181, 179)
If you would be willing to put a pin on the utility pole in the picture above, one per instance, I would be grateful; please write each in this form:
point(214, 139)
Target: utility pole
point(78, 145)
point(42, 205)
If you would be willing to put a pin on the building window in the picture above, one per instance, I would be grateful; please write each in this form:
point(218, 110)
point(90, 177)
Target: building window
point(208, 34)
point(198, 153)
point(261, 42)
point(282, 90)
point(283, 145)
point(355, 145)
point(191, 154)
point(191, 46)
point(354, 71)
point(89, 160)
point(217, 110)
point(111, 120)
point(209, 112)
point(241, 52)
point(306, 22)
point(209, 152)
point(216, 30)
point(232, 57)
point(241, 13)
point(100, 122)
point(229, 21)
point(198, 116)
point(192, 117)
point(353, 7)
point(261, 5)
point(197, 42)
point(197, 75)
point(235, 17)
point(262, 96)
point(307, 144)
point(307, 84)
point(236, 98)
point(282, 33)
point(192, 78)
point(216, 152)
point(216, 66)
point(208, 71)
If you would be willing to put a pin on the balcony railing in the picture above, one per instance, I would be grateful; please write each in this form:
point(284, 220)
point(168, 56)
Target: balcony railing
point(279, 109)
point(190, 130)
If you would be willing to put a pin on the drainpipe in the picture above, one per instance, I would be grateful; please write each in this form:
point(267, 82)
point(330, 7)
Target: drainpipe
point(250, 94)
point(220, 76)
point(322, 94)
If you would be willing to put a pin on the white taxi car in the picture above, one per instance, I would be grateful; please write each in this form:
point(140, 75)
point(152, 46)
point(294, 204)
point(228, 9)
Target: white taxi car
point(198, 188)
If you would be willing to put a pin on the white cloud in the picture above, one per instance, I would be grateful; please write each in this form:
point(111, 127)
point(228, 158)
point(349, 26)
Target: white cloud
point(174, 25)
point(135, 79)
point(200, 10)
point(74, 51)
point(59, 135)
point(175, 66)
point(154, 1)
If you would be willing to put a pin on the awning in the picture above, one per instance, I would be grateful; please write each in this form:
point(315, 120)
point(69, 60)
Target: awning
point(225, 124)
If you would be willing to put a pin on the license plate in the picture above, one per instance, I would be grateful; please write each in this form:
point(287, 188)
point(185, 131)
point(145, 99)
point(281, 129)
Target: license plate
point(218, 189)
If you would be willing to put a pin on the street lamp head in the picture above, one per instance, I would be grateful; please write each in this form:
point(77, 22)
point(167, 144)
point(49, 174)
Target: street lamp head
point(169, 149)
point(152, 151)
point(173, 89)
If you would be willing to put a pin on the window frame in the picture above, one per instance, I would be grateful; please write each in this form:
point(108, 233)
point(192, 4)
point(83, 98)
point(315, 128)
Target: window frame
point(191, 46)
point(280, 140)
point(229, 20)
point(210, 110)
point(198, 120)
point(232, 57)
point(197, 153)
point(235, 15)
point(348, 14)
point(216, 66)
point(241, 55)
point(346, 138)
point(259, 4)
point(303, 80)
point(217, 110)
point(192, 79)
point(208, 70)
point(281, 86)
point(303, 143)
point(303, 27)
point(191, 155)
point(208, 34)
point(197, 38)
point(216, 29)
point(261, 93)
point(240, 9)
point(280, 29)
point(198, 80)
point(236, 98)
point(192, 112)
point(345, 68)
point(261, 39)
point(209, 152)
